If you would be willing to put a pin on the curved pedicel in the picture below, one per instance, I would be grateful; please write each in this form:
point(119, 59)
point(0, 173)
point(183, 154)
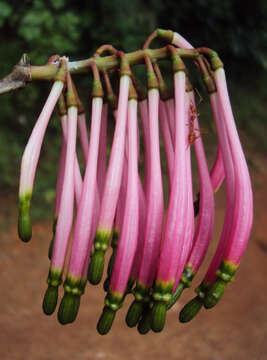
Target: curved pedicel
point(31, 156)
point(112, 183)
point(128, 237)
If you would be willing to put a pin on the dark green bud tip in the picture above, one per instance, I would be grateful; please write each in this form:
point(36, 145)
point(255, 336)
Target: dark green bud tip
point(158, 316)
point(176, 295)
point(68, 308)
point(106, 284)
point(190, 310)
point(50, 300)
point(96, 267)
point(50, 250)
point(215, 293)
point(54, 225)
point(24, 225)
point(106, 320)
point(134, 313)
point(111, 263)
point(144, 325)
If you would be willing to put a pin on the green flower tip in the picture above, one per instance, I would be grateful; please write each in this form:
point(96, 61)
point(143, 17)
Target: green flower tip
point(96, 267)
point(214, 294)
point(190, 310)
point(50, 300)
point(24, 225)
point(68, 308)
point(50, 250)
point(158, 316)
point(106, 320)
point(134, 313)
point(176, 295)
point(144, 325)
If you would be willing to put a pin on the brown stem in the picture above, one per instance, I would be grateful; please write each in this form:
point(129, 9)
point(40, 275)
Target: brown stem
point(17, 79)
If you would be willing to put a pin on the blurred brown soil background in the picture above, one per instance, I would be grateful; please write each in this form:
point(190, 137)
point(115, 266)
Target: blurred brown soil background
point(235, 329)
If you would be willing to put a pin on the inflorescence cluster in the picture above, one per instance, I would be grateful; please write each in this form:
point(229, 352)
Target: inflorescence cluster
point(156, 251)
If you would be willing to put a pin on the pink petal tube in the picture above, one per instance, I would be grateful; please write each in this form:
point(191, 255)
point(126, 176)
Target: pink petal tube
point(61, 166)
point(83, 134)
point(230, 189)
point(114, 173)
point(102, 157)
point(30, 159)
point(171, 118)
point(83, 223)
point(112, 186)
point(189, 220)
point(77, 171)
point(177, 208)
point(167, 139)
point(193, 307)
point(204, 229)
point(155, 203)
point(65, 215)
point(144, 119)
point(242, 212)
point(217, 172)
point(129, 233)
point(176, 226)
point(141, 231)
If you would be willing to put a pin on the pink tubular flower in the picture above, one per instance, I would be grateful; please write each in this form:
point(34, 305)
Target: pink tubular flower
point(143, 108)
point(81, 245)
point(65, 214)
point(204, 229)
point(177, 212)
point(31, 155)
point(112, 182)
point(217, 172)
point(129, 233)
point(193, 307)
point(155, 207)
point(102, 156)
point(243, 205)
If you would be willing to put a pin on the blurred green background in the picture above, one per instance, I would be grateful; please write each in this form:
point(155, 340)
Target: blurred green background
point(236, 29)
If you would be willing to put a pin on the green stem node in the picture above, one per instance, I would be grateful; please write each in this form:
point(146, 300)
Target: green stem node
point(225, 274)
